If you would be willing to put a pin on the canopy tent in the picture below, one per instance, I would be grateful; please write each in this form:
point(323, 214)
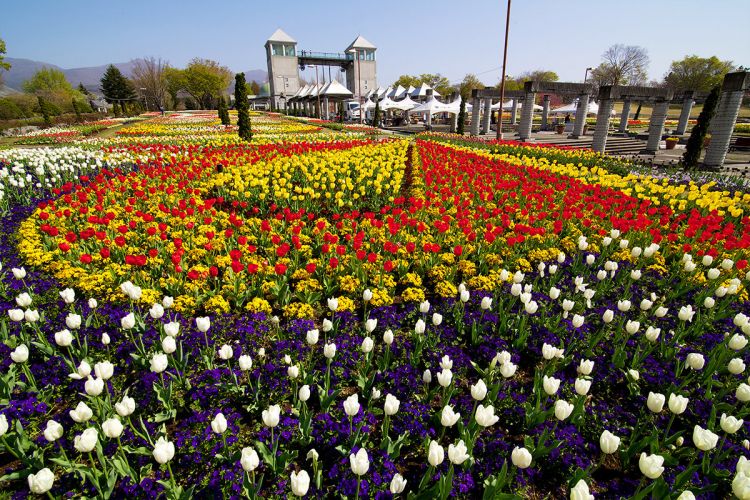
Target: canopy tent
point(386, 93)
point(368, 105)
point(572, 107)
point(301, 93)
point(455, 106)
point(421, 91)
point(396, 93)
point(369, 93)
point(314, 91)
point(335, 89)
point(379, 92)
point(508, 106)
point(405, 93)
point(403, 105)
point(433, 106)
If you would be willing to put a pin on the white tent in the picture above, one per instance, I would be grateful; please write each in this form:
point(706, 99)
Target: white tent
point(508, 106)
point(407, 103)
point(421, 91)
point(368, 105)
point(405, 93)
point(386, 93)
point(335, 89)
point(302, 92)
point(455, 106)
point(395, 93)
point(433, 106)
point(403, 105)
point(573, 106)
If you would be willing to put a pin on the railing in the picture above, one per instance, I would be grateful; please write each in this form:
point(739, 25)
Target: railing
point(334, 56)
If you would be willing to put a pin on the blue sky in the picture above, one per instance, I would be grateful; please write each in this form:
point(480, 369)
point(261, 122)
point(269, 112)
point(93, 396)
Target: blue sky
point(452, 38)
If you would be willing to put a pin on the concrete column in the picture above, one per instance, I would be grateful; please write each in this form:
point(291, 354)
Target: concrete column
point(487, 115)
point(527, 116)
point(732, 90)
point(687, 107)
point(454, 123)
point(513, 110)
point(581, 110)
point(656, 125)
point(624, 116)
point(429, 120)
point(602, 125)
point(327, 108)
point(475, 116)
point(545, 112)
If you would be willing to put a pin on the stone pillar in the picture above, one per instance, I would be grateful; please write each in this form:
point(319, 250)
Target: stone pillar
point(513, 110)
point(581, 110)
point(527, 116)
point(624, 116)
point(487, 115)
point(545, 112)
point(454, 123)
point(656, 125)
point(429, 120)
point(475, 116)
point(327, 108)
point(687, 107)
point(602, 125)
point(732, 90)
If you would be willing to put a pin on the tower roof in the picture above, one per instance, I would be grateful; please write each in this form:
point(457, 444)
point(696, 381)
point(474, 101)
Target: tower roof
point(280, 36)
point(361, 43)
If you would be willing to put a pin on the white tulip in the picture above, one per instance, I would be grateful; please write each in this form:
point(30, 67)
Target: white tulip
point(446, 363)
point(695, 361)
point(300, 482)
point(63, 338)
point(203, 324)
point(112, 428)
point(677, 404)
point(521, 457)
point(485, 415)
point(293, 372)
point(458, 454)
point(245, 362)
point(20, 354)
point(419, 327)
point(327, 325)
point(52, 432)
point(163, 450)
point(743, 392)
point(445, 377)
point(86, 441)
point(479, 390)
point(737, 342)
point(704, 439)
point(125, 407)
point(249, 459)
point(388, 337)
point(651, 465)
point(563, 409)
point(360, 462)
point(508, 369)
point(219, 424)
point(736, 366)
point(585, 367)
point(486, 303)
point(41, 482)
point(329, 351)
point(128, 321)
point(304, 393)
point(730, 424)
point(424, 307)
point(226, 352)
point(436, 454)
point(159, 363)
point(168, 345)
point(448, 417)
point(581, 491)
point(172, 328)
point(351, 405)
point(94, 386)
point(24, 300)
point(582, 386)
point(33, 316)
point(370, 325)
point(271, 416)
point(367, 295)
point(426, 377)
point(550, 385)
point(333, 304)
point(391, 405)
point(608, 316)
point(655, 402)
point(608, 442)
point(660, 312)
point(15, 315)
point(167, 302)
point(437, 319)
point(398, 484)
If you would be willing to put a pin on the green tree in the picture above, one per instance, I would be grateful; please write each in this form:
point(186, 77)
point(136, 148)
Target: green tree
point(434, 80)
point(83, 90)
point(698, 134)
point(697, 73)
point(254, 88)
point(45, 110)
point(3, 63)
point(469, 83)
point(116, 88)
point(48, 80)
point(76, 111)
point(537, 75)
point(461, 117)
point(223, 111)
point(243, 115)
point(407, 81)
point(203, 79)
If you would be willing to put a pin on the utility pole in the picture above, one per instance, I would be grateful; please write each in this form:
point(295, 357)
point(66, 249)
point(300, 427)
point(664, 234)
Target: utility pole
point(499, 135)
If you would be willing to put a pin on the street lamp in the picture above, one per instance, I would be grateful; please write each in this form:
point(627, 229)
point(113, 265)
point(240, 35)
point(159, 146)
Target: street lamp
point(586, 76)
point(499, 135)
point(145, 101)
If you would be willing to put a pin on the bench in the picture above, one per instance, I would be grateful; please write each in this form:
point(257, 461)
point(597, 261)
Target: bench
point(741, 144)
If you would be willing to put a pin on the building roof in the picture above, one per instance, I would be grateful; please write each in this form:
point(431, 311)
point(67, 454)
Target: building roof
point(361, 43)
point(280, 36)
point(335, 89)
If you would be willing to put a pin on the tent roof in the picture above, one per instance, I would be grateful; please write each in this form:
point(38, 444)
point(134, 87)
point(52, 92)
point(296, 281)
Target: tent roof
point(360, 43)
point(572, 107)
point(421, 91)
point(394, 93)
point(433, 106)
point(335, 89)
point(305, 90)
point(508, 105)
point(280, 36)
point(314, 91)
point(403, 105)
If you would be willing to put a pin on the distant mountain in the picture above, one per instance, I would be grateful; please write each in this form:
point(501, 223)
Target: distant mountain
point(5, 90)
point(23, 69)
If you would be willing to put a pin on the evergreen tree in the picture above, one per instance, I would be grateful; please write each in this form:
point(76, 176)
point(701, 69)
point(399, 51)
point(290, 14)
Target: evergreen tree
point(341, 111)
point(223, 111)
point(242, 106)
point(376, 116)
point(82, 89)
point(116, 88)
point(77, 111)
point(44, 109)
point(461, 117)
point(698, 134)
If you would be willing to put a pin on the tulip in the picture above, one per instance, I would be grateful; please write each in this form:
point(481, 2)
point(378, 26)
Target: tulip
point(245, 362)
point(159, 363)
point(686, 313)
point(677, 404)
point(550, 385)
point(367, 295)
point(172, 328)
point(582, 386)
point(125, 407)
point(486, 303)
point(360, 462)
point(312, 336)
point(156, 311)
point(713, 273)
point(623, 305)
point(419, 327)
point(437, 319)
point(249, 459)
point(203, 324)
point(436, 454)
point(424, 307)
point(531, 307)
point(391, 405)
point(304, 393)
point(15, 315)
point(94, 386)
point(24, 300)
point(367, 345)
point(370, 325)
point(63, 338)
point(445, 377)
point(226, 352)
point(388, 337)
point(709, 302)
point(105, 338)
point(333, 304)
point(167, 302)
point(112, 427)
point(301, 480)
point(327, 325)
point(3, 425)
point(163, 450)
point(168, 345)
point(609, 442)
point(695, 361)
point(741, 486)
point(737, 342)
point(351, 405)
point(655, 402)
point(52, 432)
point(20, 354)
point(563, 409)
point(521, 457)
point(581, 491)
point(219, 424)
point(128, 321)
point(464, 296)
point(743, 392)
point(93, 304)
point(426, 377)
point(660, 312)
point(458, 454)
point(448, 417)
point(736, 366)
point(81, 413)
point(485, 415)
point(32, 316)
point(271, 416)
point(585, 367)
point(479, 390)
point(41, 482)
point(651, 465)
point(704, 439)
point(632, 326)
point(19, 273)
point(398, 484)
point(729, 424)
point(329, 351)
point(577, 321)
point(608, 316)
point(86, 441)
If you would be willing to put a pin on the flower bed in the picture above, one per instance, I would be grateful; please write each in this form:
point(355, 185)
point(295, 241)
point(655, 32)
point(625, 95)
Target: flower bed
point(373, 319)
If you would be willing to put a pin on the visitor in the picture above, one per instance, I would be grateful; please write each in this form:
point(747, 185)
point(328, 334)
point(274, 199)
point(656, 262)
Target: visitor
point(567, 118)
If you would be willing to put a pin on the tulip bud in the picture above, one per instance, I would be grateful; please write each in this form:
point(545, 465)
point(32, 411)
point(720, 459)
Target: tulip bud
point(520, 457)
point(163, 450)
point(249, 459)
point(436, 454)
point(391, 405)
point(388, 337)
point(304, 393)
point(655, 402)
point(677, 404)
point(329, 351)
point(351, 405)
point(609, 442)
point(112, 428)
point(651, 465)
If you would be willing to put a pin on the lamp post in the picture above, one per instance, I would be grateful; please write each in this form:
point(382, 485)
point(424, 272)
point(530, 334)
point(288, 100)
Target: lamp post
point(499, 135)
point(145, 101)
point(586, 76)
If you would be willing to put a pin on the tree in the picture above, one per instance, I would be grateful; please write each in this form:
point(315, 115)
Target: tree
point(254, 88)
point(622, 65)
point(83, 90)
point(48, 80)
point(116, 88)
point(223, 112)
point(469, 83)
point(697, 73)
point(44, 108)
point(434, 80)
point(204, 79)
point(698, 134)
point(376, 116)
point(149, 74)
point(461, 117)
point(243, 115)
point(3, 64)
